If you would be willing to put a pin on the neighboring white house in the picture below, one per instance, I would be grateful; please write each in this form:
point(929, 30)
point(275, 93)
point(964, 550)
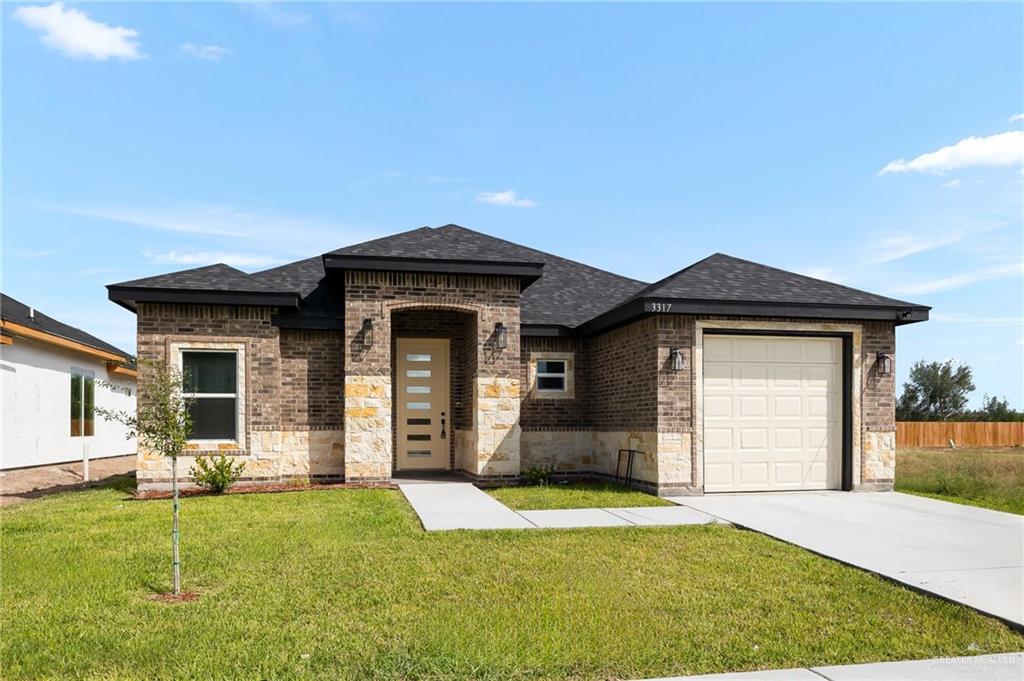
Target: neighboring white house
point(52, 377)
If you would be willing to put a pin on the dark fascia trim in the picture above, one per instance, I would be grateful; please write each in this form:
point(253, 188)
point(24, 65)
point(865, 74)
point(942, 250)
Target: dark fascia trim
point(643, 307)
point(297, 321)
point(526, 272)
point(128, 296)
point(547, 330)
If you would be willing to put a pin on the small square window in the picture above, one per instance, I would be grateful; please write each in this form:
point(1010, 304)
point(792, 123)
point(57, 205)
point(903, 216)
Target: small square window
point(551, 377)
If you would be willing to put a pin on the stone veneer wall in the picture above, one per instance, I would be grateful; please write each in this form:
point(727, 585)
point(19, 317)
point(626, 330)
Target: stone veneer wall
point(291, 425)
point(490, 447)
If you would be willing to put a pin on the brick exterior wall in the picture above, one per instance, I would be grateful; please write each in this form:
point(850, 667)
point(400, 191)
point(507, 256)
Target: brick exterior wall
point(625, 394)
point(562, 413)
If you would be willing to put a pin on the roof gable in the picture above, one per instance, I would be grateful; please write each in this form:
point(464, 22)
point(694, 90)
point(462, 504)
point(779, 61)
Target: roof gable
point(722, 277)
point(218, 277)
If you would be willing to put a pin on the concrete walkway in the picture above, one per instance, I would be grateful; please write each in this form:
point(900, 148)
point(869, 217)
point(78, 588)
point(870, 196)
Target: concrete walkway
point(1002, 667)
point(969, 555)
point(445, 505)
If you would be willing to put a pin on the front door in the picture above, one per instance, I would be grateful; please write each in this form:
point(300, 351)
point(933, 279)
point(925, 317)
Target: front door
point(424, 425)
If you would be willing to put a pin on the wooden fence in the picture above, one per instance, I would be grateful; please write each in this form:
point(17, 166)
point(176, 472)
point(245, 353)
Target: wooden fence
point(963, 433)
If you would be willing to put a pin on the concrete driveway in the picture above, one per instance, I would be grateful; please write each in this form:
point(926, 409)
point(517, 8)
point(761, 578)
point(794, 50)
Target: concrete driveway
point(969, 555)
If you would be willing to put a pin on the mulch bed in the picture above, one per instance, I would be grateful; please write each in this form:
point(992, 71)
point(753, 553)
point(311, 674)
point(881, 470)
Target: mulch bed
point(265, 488)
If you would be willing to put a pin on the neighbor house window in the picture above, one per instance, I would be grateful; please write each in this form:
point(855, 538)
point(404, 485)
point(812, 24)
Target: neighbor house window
point(551, 375)
point(211, 386)
point(83, 402)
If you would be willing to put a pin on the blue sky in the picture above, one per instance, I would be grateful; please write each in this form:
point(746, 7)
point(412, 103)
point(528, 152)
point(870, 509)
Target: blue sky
point(875, 145)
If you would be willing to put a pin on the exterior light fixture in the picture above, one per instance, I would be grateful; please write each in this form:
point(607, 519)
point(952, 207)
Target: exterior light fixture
point(367, 333)
point(675, 359)
point(500, 336)
point(884, 364)
point(905, 314)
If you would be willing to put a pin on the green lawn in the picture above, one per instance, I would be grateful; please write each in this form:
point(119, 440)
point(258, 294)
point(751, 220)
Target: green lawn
point(344, 584)
point(574, 495)
point(991, 477)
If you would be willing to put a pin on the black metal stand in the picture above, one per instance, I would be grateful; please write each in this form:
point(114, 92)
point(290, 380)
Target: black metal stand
point(630, 455)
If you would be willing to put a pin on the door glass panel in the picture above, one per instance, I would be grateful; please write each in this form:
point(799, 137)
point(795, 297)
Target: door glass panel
point(418, 453)
point(418, 373)
point(417, 405)
point(419, 438)
point(418, 422)
point(417, 358)
point(418, 389)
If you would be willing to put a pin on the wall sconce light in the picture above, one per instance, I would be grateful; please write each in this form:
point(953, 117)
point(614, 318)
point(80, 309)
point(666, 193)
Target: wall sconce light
point(367, 333)
point(884, 364)
point(675, 359)
point(500, 336)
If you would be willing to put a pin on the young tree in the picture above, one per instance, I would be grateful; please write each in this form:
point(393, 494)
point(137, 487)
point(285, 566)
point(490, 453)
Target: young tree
point(936, 391)
point(162, 423)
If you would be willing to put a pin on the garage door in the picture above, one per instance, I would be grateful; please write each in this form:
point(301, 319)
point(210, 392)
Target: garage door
point(772, 413)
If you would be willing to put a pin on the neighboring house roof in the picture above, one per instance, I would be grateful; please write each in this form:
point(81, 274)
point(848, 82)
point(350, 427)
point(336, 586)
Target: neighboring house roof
point(556, 292)
point(20, 319)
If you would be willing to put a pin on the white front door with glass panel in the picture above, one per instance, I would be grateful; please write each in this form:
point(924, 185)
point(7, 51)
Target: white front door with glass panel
point(424, 424)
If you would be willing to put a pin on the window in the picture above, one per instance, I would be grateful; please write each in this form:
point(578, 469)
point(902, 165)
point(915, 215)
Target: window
point(211, 386)
point(83, 402)
point(551, 375)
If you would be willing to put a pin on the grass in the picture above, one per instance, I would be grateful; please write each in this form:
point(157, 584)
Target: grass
point(989, 477)
point(587, 494)
point(344, 584)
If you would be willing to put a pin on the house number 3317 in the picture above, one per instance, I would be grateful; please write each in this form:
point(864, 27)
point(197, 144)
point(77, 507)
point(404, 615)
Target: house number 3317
point(659, 307)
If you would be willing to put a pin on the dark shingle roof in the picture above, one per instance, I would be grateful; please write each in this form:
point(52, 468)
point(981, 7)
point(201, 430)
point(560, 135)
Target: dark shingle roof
point(721, 277)
point(568, 294)
point(17, 312)
point(219, 277)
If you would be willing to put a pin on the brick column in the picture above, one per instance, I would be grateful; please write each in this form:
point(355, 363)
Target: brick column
point(367, 393)
point(496, 430)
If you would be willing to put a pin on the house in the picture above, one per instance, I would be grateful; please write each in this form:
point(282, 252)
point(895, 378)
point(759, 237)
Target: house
point(53, 376)
point(447, 349)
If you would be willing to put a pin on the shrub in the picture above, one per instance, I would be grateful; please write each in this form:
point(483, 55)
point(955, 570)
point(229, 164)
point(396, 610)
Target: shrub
point(538, 475)
point(216, 473)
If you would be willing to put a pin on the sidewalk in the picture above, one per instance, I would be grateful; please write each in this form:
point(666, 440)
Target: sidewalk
point(449, 505)
point(1001, 667)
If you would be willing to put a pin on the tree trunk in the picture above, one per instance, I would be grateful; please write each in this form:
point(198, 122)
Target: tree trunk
point(174, 530)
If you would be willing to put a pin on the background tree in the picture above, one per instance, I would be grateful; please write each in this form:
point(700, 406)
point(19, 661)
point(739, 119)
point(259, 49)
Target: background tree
point(162, 424)
point(996, 409)
point(936, 391)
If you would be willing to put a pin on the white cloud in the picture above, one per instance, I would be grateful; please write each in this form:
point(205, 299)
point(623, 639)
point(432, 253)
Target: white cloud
point(952, 184)
point(207, 52)
point(1017, 117)
point(505, 198)
point(1003, 149)
point(72, 32)
point(961, 280)
point(275, 15)
point(293, 234)
point(944, 318)
point(211, 257)
point(885, 248)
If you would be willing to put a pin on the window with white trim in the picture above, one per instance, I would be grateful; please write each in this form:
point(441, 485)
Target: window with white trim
point(551, 376)
point(211, 387)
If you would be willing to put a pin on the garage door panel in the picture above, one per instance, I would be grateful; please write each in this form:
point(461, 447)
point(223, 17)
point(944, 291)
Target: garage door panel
point(772, 413)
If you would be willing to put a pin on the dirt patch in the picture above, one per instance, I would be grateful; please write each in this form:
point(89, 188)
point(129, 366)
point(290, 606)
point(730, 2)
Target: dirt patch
point(183, 597)
point(266, 488)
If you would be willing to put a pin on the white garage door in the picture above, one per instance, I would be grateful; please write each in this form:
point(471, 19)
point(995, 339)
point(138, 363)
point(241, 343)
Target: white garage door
point(772, 413)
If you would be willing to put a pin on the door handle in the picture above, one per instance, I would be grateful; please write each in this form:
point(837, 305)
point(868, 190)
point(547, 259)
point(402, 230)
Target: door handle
point(442, 426)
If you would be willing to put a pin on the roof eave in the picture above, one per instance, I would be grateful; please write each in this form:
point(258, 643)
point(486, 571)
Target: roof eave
point(526, 272)
point(641, 307)
point(129, 296)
